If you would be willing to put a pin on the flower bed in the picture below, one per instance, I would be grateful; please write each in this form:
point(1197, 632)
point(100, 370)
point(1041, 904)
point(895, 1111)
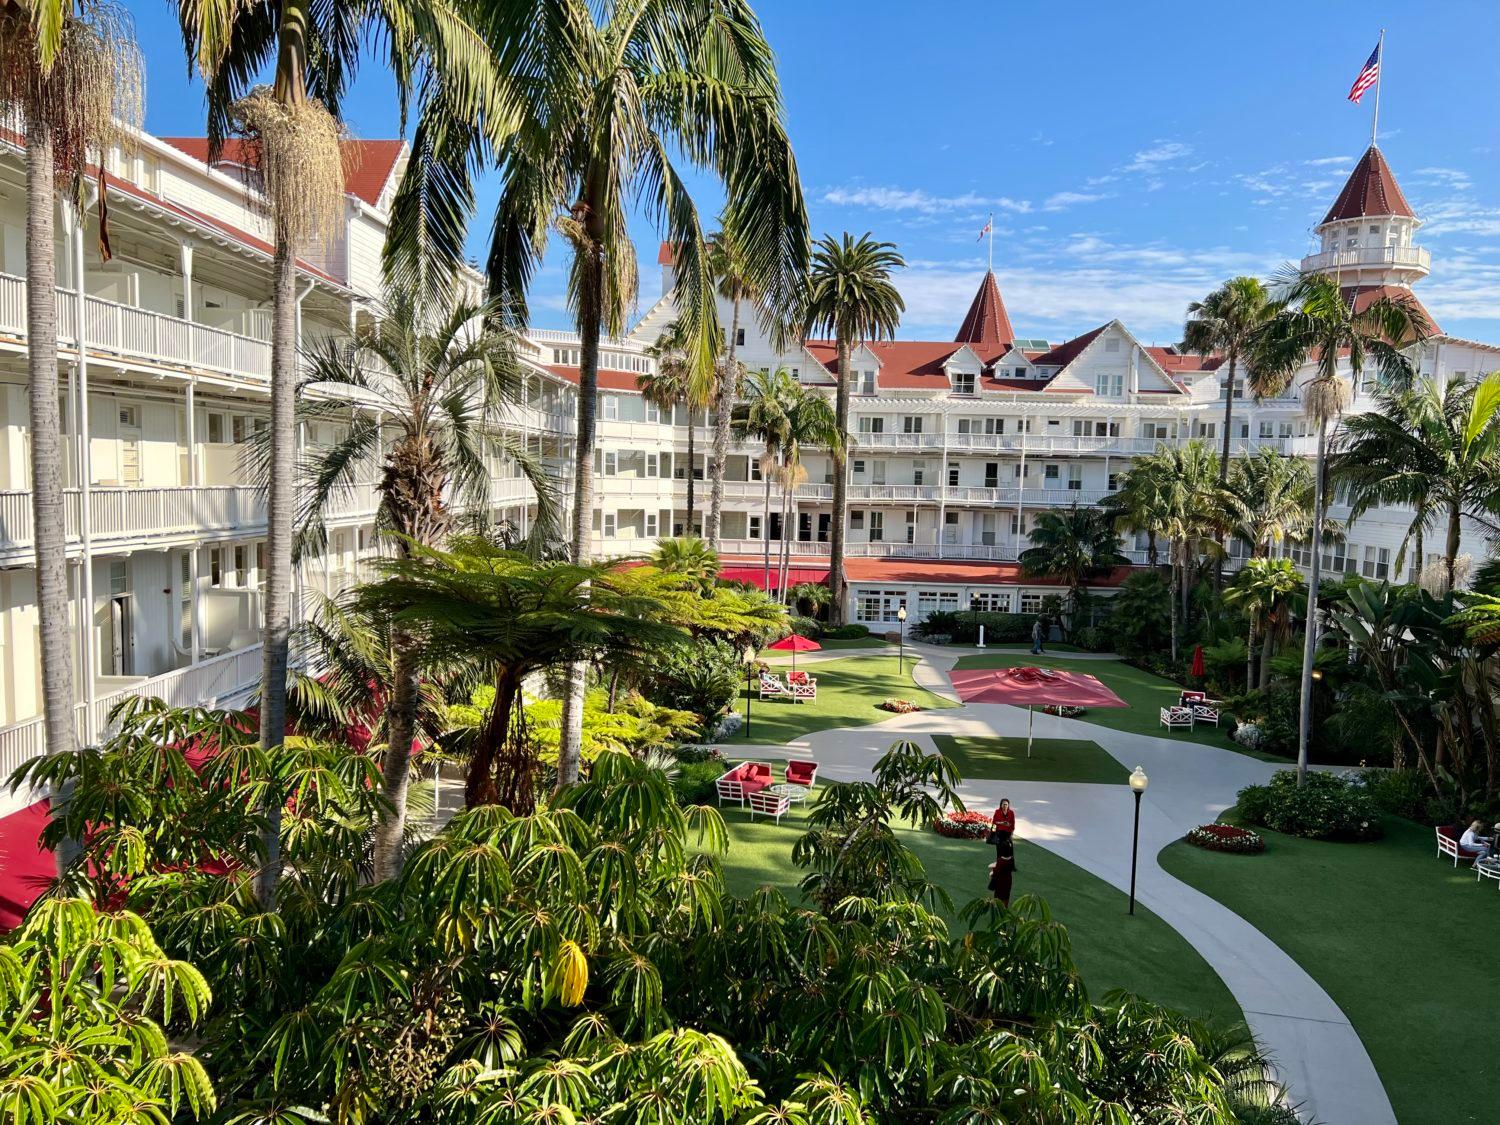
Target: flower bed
point(1226, 838)
point(1061, 711)
point(898, 706)
point(968, 825)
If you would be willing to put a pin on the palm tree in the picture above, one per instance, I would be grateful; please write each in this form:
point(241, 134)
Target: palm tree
point(810, 423)
point(70, 76)
point(1433, 448)
point(768, 397)
point(851, 298)
point(312, 52)
point(671, 384)
point(1267, 591)
point(736, 288)
point(648, 82)
point(510, 616)
point(430, 385)
point(1226, 322)
point(1271, 498)
point(1139, 506)
point(1190, 512)
point(1074, 544)
point(690, 556)
point(1315, 323)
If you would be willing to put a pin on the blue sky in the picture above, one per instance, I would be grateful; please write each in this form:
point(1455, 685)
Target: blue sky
point(1134, 155)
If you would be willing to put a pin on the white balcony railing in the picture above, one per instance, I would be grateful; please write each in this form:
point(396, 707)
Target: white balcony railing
point(207, 682)
point(1369, 257)
point(139, 513)
point(111, 328)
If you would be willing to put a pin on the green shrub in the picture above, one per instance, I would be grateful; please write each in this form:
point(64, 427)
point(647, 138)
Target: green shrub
point(694, 783)
point(696, 752)
point(805, 627)
point(1140, 615)
point(1092, 638)
point(849, 632)
point(963, 627)
point(1327, 807)
point(701, 676)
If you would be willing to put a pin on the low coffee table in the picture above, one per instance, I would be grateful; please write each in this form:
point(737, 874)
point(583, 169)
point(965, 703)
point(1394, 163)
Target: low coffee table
point(796, 794)
point(1487, 869)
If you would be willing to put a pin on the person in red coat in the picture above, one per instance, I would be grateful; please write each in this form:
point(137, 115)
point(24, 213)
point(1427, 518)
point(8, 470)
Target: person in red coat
point(1004, 819)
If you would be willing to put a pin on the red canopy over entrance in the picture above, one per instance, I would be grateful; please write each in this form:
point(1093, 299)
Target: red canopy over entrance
point(756, 575)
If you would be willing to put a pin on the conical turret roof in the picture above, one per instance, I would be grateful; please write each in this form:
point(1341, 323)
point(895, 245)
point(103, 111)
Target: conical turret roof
point(987, 321)
point(1370, 190)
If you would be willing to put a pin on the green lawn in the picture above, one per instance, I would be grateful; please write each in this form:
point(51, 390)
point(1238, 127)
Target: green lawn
point(1146, 694)
point(1112, 949)
point(1404, 943)
point(848, 691)
point(1052, 759)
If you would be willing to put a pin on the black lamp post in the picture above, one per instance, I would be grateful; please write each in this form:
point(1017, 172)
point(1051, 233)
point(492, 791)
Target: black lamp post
point(901, 642)
point(1138, 783)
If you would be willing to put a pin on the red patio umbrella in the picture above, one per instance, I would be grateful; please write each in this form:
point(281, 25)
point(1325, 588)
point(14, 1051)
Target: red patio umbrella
point(794, 644)
point(1030, 687)
point(1198, 669)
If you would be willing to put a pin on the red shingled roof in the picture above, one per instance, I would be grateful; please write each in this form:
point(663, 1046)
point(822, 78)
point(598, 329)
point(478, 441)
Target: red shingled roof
point(1065, 353)
point(1175, 363)
point(987, 321)
point(913, 365)
point(667, 254)
point(367, 164)
point(1363, 296)
point(609, 380)
point(1370, 190)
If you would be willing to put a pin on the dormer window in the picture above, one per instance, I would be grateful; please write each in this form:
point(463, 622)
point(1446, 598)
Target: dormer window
point(866, 384)
point(963, 382)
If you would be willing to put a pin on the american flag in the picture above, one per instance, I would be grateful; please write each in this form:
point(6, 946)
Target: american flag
point(1367, 76)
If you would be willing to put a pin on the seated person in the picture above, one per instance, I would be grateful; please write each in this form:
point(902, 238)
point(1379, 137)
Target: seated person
point(1474, 842)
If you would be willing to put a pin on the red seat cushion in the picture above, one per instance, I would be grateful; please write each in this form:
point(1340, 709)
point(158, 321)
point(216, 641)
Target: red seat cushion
point(797, 772)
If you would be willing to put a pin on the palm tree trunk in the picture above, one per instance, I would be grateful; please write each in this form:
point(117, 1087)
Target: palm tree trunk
point(765, 523)
point(840, 490)
point(1310, 638)
point(1218, 563)
point(1421, 546)
point(1267, 650)
point(1153, 556)
point(1250, 657)
point(1450, 549)
point(590, 313)
point(786, 543)
point(723, 407)
point(692, 471)
point(281, 508)
point(400, 729)
point(49, 528)
point(1176, 585)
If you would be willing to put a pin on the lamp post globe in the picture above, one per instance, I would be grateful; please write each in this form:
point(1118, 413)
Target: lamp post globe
point(901, 643)
point(1138, 780)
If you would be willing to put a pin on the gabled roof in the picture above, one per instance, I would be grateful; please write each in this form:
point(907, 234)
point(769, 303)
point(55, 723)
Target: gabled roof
point(1066, 352)
point(1361, 297)
point(368, 165)
point(1371, 189)
point(987, 321)
point(909, 365)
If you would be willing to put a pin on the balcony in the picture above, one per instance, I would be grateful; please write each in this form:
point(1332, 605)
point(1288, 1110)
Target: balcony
point(113, 330)
point(1369, 257)
point(123, 516)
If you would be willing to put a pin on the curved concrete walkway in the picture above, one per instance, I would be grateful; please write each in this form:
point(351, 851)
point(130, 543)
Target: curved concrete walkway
point(1318, 1055)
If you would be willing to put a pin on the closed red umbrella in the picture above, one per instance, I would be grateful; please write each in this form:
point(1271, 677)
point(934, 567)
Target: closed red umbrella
point(794, 644)
point(1198, 669)
point(1030, 687)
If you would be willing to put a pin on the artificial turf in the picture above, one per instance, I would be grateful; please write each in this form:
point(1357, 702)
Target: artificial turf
point(1051, 759)
point(1146, 695)
point(1112, 949)
point(849, 691)
point(1404, 943)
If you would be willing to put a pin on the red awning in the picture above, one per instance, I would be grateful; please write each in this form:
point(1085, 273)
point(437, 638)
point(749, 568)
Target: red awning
point(26, 868)
point(756, 575)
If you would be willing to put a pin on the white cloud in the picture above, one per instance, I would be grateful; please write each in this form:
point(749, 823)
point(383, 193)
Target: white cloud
point(1060, 201)
point(915, 199)
point(1162, 152)
point(1454, 179)
point(1330, 162)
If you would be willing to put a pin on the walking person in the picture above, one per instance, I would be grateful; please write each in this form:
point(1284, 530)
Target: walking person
point(1004, 819)
point(1003, 870)
point(1038, 631)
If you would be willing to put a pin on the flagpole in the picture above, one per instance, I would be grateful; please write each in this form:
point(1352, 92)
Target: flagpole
point(1379, 75)
point(992, 232)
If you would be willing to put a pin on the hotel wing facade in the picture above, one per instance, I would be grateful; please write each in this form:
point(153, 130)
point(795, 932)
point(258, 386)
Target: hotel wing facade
point(956, 445)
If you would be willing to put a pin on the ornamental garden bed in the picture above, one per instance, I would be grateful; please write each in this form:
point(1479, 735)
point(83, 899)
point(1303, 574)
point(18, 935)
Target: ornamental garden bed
point(898, 706)
point(967, 825)
point(1062, 711)
point(1226, 838)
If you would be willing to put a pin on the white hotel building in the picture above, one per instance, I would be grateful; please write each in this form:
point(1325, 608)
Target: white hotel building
point(957, 444)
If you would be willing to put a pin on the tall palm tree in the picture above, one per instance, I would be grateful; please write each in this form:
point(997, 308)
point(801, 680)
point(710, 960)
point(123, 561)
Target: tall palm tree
point(312, 53)
point(1226, 322)
point(810, 423)
point(736, 288)
point(1434, 448)
point(1074, 544)
point(850, 297)
point(70, 77)
point(674, 384)
point(1271, 497)
point(1314, 323)
point(646, 83)
point(1191, 509)
point(768, 398)
point(1139, 506)
point(1268, 592)
point(437, 382)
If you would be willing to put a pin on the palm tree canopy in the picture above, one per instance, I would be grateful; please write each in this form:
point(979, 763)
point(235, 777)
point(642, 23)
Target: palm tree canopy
point(630, 86)
point(810, 422)
point(849, 291)
point(763, 413)
point(1226, 319)
point(1074, 544)
point(1270, 496)
point(1264, 587)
